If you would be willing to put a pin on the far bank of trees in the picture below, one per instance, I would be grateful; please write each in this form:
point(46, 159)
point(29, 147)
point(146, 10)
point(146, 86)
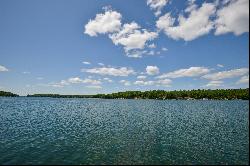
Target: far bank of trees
point(7, 94)
point(218, 94)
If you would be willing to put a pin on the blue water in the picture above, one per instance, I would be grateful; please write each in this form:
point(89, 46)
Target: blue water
point(99, 131)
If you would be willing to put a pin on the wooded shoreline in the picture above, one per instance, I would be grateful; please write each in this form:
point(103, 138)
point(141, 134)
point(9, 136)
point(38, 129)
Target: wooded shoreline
point(200, 94)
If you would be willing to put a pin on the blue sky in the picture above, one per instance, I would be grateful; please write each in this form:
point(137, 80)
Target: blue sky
point(103, 46)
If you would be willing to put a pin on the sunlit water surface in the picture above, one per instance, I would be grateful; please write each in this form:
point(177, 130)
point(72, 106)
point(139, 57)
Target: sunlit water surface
point(99, 131)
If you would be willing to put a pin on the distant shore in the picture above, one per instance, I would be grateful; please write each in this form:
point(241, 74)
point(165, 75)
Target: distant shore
point(200, 94)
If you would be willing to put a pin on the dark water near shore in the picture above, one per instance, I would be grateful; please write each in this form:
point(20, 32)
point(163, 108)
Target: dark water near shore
point(98, 131)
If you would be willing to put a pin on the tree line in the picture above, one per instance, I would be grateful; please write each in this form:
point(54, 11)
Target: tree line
point(218, 94)
point(7, 94)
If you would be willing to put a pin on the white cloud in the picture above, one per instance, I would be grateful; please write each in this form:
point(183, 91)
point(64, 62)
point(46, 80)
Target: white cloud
point(107, 8)
point(136, 53)
point(91, 81)
point(56, 85)
point(101, 64)
point(157, 5)
point(151, 52)
point(152, 70)
point(132, 37)
point(226, 74)
point(220, 65)
point(214, 83)
point(197, 23)
point(243, 80)
point(234, 17)
point(64, 82)
point(52, 84)
point(75, 80)
point(164, 49)
point(125, 82)
point(94, 86)
point(152, 45)
point(141, 77)
point(189, 72)
point(2, 68)
point(191, 6)
point(141, 82)
point(26, 72)
point(108, 79)
point(108, 22)
point(122, 71)
point(86, 63)
point(165, 82)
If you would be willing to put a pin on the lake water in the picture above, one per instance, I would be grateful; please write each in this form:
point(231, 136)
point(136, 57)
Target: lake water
point(99, 131)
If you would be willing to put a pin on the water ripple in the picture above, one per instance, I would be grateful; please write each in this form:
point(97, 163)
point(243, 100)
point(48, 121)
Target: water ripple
point(99, 131)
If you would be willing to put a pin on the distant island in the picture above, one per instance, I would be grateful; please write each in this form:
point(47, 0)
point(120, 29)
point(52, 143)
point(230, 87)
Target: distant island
point(200, 94)
point(8, 94)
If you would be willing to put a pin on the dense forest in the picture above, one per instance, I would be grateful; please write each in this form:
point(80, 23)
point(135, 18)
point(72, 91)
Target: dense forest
point(7, 94)
point(218, 94)
point(62, 96)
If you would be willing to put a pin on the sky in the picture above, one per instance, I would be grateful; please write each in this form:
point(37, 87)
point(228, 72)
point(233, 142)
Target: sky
point(105, 46)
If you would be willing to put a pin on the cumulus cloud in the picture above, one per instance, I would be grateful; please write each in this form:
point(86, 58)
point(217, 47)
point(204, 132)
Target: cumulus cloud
point(125, 82)
point(74, 80)
point(136, 53)
point(191, 6)
point(55, 85)
point(122, 71)
point(157, 5)
point(101, 64)
point(226, 74)
point(2, 68)
point(86, 63)
point(233, 17)
point(189, 72)
point(197, 23)
point(108, 22)
point(243, 80)
point(214, 83)
point(220, 65)
point(141, 82)
point(165, 82)
point(131, 37)
point(91, 81)
point(152, 70)
point(94, 86)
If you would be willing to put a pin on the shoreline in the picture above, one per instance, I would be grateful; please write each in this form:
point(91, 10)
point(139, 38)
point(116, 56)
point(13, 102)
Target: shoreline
point(124, 99)
point(199, 94)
